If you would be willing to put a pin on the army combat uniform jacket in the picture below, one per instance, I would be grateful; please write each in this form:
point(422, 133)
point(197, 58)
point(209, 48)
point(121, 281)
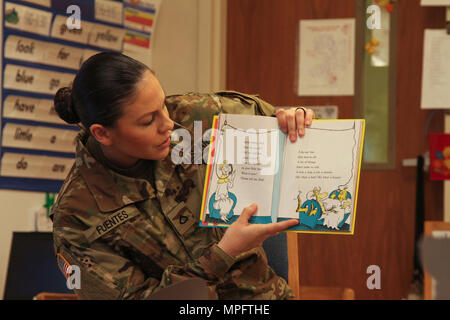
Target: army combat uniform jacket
point(130, 237)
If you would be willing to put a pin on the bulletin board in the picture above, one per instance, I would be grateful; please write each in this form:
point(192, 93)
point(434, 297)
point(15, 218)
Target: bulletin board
point(42, 49)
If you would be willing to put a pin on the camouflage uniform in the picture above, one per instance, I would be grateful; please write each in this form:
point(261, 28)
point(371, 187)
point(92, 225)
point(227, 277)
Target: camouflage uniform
point(131, 238)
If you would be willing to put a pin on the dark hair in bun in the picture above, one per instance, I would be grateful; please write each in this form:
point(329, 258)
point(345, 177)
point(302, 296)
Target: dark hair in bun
point(101, 87)
point(64, 106)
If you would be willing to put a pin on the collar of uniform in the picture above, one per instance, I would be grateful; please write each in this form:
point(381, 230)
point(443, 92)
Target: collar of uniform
point(110, 190)
point(164, 170)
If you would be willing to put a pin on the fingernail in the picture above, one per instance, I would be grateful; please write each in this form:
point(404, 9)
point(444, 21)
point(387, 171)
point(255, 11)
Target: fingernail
point(292, 136)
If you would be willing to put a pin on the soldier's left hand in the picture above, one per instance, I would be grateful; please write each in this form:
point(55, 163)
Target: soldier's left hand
point(294, 120)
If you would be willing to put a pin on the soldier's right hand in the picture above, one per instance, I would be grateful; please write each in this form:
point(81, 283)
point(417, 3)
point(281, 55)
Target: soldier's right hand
point(242, 236)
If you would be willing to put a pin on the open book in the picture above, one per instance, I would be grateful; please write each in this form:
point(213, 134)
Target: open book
point(314, 179)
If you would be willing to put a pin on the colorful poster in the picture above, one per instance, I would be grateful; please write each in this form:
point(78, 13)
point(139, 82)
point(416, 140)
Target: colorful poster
point(145, 4)
point(137, 45)
point(137, 39)
point(138, 19)
point(439, 144)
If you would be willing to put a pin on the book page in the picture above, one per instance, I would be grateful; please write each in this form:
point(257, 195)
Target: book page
point(320, 174)
point(243, 168)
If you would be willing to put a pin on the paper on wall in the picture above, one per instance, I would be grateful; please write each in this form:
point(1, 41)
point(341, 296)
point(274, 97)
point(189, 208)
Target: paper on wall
point(39, 138)
point(34, 109)
point(35, 80)
point(435, 2)
point(107, 37)
point(109, 11)
point(25, 49)
point(44, 3)
point(34, 166)
point(137, 45)
point(147, 4)
point(49, 53)
point(327, 57)
point(27, 19)
point(140, 17)
point(63, 56)
point(60, 30)
point(436, 70)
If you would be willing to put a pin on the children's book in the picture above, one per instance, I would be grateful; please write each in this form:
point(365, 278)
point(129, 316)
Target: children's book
point(314, 179)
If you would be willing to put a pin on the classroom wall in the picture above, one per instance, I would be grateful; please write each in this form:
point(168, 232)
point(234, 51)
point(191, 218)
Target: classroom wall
point(180, 47)
point(17, 209)
point(261, 55)
point(175, 46)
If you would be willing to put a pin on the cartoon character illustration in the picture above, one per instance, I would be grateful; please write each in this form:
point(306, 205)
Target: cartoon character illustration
point(222, 202)
point(335, 213)
point(299, 206)
point(311, 210)
point(340, 193)
point(319, 209)
point(337, 208)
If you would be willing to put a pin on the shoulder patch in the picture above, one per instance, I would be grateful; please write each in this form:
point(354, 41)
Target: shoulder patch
point(63, 265)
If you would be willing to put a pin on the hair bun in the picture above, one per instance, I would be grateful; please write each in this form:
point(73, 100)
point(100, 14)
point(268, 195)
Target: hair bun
point(64, 105)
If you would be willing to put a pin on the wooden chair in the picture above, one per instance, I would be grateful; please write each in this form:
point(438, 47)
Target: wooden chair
point(325, 293)
point(55, 296)
point(310, 292)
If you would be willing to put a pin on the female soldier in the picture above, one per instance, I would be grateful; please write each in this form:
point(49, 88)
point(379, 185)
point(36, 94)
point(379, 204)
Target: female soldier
point(127, 216)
